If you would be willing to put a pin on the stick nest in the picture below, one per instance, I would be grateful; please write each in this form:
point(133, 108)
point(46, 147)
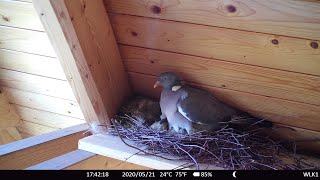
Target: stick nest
point(229, 148)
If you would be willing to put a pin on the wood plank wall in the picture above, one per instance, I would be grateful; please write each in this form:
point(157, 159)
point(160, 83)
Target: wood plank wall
point(31, 75)
point(99, 162)
point(9, 121)
point(262, 57)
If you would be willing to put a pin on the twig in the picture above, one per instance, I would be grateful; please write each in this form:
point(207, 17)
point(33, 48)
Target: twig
point(137, 147)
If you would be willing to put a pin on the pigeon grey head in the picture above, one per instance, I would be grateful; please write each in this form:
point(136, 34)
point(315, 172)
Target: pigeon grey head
point(168, 80)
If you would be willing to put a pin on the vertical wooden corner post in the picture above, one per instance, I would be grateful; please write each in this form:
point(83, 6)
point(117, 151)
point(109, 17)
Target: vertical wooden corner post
point(82, 36)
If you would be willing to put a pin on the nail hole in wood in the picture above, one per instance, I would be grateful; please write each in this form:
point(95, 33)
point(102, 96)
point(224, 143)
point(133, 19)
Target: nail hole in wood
point(231, 8)
point(134, 33)
point(223, 85)
point(314, 45)
point(275, 41)
point(69, 112)
point(5, 18)
point(152, 61)
point(87, 76)
point(41, 14)
point(155, 9)
point(71, 18)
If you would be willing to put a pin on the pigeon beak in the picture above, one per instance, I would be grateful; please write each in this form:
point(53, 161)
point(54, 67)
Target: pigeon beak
point(156, 84)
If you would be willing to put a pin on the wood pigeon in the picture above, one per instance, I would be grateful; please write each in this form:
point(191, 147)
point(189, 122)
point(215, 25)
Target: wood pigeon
point(187, 108)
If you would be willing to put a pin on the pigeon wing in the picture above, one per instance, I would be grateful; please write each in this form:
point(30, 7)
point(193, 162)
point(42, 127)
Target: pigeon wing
point(201, 107)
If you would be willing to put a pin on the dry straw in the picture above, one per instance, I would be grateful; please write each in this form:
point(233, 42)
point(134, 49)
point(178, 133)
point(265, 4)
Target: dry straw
point(228, 147)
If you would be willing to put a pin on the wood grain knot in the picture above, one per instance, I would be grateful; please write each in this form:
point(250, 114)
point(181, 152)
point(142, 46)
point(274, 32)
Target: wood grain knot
point(5, 18)
point(314, 45)
point(274, 41)
point(134, 33)
point(155, 9)
point(231, 8)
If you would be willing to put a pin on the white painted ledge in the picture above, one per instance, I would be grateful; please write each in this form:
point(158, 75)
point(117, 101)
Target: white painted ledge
point(113, 147)
point(35, 140)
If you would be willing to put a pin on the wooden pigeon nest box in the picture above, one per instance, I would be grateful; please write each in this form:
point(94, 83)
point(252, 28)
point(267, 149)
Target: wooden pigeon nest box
point(261, 57)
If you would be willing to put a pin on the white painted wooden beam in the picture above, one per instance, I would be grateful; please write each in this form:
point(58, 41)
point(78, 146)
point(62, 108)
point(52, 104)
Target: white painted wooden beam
point(112, 146)
point(35, 140)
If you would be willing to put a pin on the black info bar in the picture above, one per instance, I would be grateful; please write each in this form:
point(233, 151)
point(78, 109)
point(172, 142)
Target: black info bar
point(205, 174)
point(162, 174)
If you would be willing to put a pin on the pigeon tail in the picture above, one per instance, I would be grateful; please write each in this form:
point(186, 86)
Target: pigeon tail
point(246, 118)
point(263, 123)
